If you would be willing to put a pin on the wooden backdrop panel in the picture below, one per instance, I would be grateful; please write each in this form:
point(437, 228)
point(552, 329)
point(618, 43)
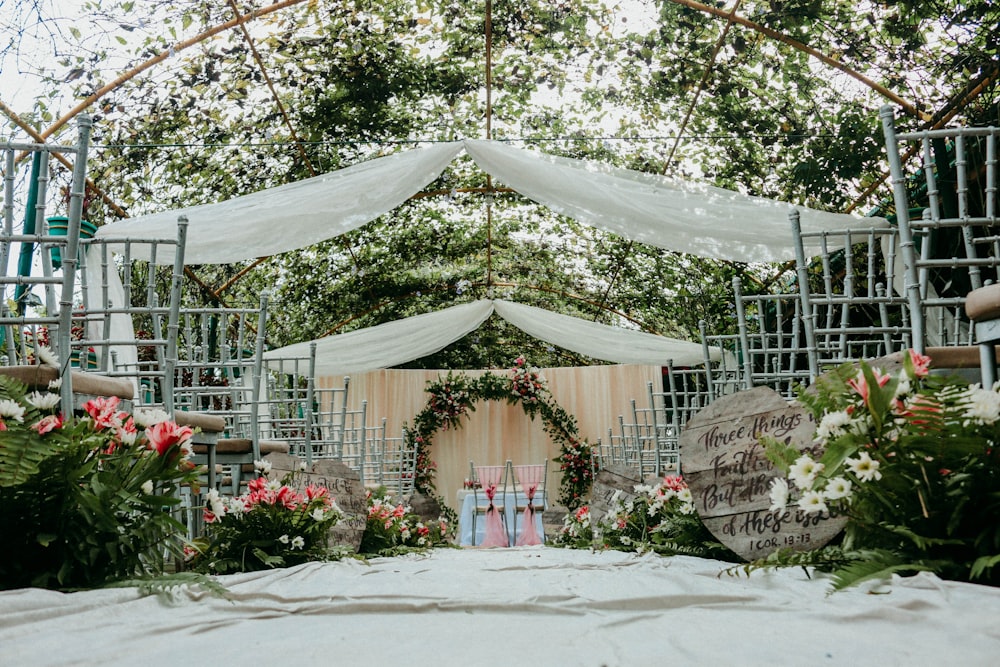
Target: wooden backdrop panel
point(495, 432)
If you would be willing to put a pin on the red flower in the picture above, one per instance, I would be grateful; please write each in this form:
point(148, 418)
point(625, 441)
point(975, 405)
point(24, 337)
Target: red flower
point(48, 424)
point(314, 492)
point(860, 384)
point(166, 434)
point(104, 411)
point(921, 363)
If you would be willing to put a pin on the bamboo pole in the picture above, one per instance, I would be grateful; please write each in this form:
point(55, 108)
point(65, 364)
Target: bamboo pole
point(799, 46)
point(180, 46)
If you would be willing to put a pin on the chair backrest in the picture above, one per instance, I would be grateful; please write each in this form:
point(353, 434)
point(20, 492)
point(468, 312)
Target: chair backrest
point(723, 376)
point(398, 465)
point(330, 416)
point(124, 328)
point(947, 212)
point(530, 478)
point(483, 476)
point(772, 341)
point(287, 404)
point(850, 310)
point(219, 365)
point(352, 446)
point(22, 328)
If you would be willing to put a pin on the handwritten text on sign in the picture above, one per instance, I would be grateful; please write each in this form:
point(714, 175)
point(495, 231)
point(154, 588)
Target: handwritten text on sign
point(344, 485)
point(730, 476)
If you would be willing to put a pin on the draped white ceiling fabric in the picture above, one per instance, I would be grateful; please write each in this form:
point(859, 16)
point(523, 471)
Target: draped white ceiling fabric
point(400, 341)
point(295, 215)
point(647, 208)
point(693, 218)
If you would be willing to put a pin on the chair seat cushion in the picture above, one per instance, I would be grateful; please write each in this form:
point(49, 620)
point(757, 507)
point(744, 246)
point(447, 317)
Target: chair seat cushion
point(983, 304)
point(91, 384)
point(206, 422)
point(243, 446)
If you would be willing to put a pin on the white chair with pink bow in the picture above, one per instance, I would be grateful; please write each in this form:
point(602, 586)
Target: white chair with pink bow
point(529, 492)
point(491, 482)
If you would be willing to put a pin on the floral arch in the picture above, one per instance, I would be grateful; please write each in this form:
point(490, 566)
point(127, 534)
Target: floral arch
point(454, 397)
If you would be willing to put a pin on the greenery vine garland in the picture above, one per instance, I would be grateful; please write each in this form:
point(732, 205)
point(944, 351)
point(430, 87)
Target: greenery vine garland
point(454, 397)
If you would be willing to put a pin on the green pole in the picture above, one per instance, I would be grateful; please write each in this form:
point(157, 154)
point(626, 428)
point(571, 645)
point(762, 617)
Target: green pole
point(27, 249)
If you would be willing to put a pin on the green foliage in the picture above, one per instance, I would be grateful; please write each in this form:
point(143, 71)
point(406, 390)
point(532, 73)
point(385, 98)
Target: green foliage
point(273, 525)
point(911, 459)
point(97, 504)
point(583, 78)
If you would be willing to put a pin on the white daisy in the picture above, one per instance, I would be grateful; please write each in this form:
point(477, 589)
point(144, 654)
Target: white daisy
point(48, 357)
point(12, 409)
point(145, 417)
point(45, 401)
point(262, 467)
point(298, 542)
point(864, 467)
point(837, 488)
point(812, 501)
point(804, 471)
point(832, 424)
point(779, 494)
point(983, 405)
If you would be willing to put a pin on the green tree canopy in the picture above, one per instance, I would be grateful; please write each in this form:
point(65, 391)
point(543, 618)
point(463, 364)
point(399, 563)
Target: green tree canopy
point(780, 101)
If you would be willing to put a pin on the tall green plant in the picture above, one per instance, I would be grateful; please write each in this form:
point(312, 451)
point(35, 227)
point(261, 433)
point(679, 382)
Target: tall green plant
point(90, 500)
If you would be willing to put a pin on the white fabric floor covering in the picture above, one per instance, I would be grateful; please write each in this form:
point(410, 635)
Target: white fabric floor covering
point(536, 606)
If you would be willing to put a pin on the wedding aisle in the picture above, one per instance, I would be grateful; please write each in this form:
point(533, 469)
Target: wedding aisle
point(539, 606)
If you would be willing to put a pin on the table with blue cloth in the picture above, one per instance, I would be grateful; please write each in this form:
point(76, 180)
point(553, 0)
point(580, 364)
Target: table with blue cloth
point(468, 500)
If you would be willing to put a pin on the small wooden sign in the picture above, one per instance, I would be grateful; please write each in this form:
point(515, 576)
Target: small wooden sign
point(345, 486)
point(730, 476)
point(609, 481)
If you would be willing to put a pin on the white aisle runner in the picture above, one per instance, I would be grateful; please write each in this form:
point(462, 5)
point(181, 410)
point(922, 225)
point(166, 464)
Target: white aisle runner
point(539, 606)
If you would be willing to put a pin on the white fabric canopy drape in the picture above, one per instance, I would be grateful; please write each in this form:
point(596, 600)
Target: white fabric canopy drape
point(693, 218)
point(647, 208)
point(400, 341)
point(295, 215)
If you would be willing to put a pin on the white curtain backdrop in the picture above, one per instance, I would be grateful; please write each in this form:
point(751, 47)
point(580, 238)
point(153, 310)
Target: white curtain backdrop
point(397, 342)
point(647, 208)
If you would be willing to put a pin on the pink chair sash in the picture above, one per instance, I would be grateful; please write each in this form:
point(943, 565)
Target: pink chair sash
point(495, 533)
point(530, 477)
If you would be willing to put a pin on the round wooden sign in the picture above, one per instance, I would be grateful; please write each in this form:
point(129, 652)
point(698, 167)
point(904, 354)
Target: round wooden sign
point(730, 476)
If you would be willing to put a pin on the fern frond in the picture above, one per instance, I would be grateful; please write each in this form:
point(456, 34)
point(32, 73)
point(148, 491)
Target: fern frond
point(876, 564)
point(983, 565)
point(21, 456)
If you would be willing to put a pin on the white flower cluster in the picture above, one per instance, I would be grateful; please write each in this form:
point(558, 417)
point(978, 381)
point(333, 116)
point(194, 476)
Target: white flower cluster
point(804, 474)
point(982, 405)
